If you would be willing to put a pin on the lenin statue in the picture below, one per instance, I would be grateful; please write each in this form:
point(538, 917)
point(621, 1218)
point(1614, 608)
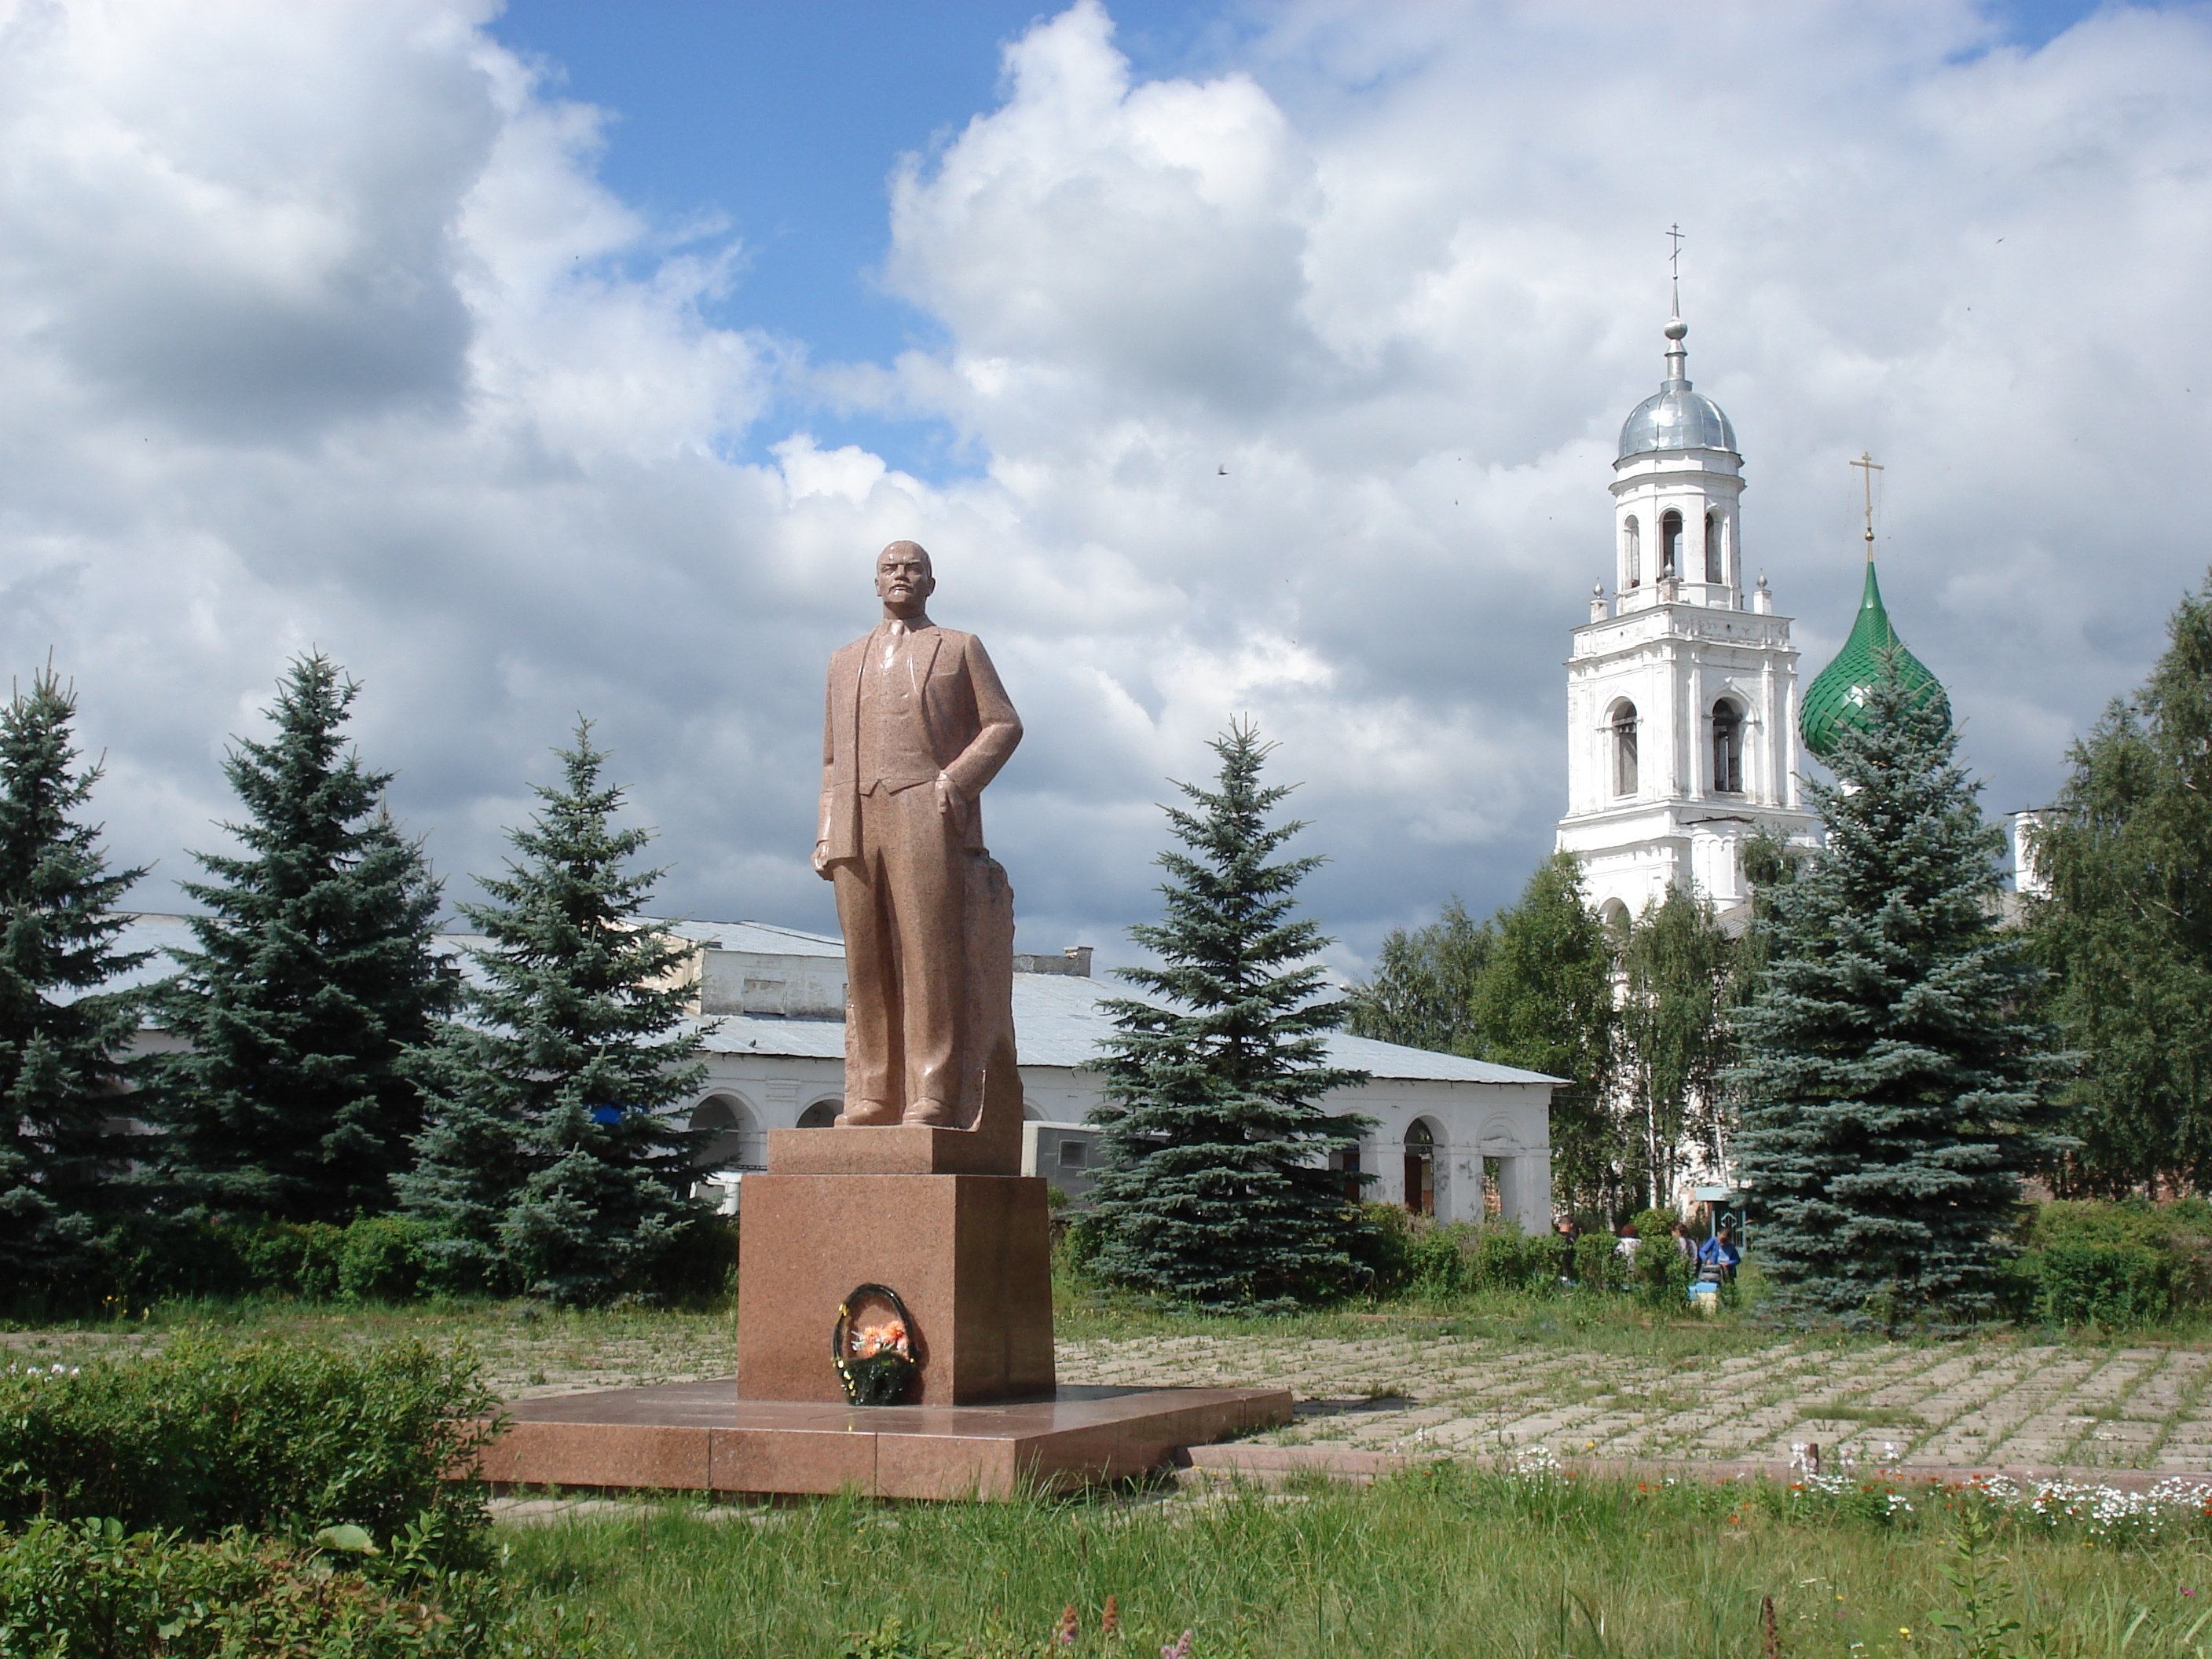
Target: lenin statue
point(917, 725)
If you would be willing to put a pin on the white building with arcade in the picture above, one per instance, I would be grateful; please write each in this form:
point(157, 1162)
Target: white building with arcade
point(1453, 1138)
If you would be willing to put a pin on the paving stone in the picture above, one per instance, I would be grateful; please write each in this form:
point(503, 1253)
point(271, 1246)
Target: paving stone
point(1977, 1401)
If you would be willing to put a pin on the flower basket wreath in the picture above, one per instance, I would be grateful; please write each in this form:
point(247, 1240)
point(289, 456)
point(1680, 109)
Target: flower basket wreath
point(873, 1352)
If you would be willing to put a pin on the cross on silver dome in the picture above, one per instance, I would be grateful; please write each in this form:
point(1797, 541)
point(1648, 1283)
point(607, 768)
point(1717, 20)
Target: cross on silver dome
point(1674, 416)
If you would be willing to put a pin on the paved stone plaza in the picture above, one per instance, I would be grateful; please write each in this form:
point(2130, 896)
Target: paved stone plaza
point(1992, 1402)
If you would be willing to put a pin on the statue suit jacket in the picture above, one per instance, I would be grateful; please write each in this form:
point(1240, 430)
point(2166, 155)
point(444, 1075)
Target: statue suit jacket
point(971, 729)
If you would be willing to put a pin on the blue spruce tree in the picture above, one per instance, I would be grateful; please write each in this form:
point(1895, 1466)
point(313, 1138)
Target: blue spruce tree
point(313, 980)
point(547, 1159)
point(1216, 1188)
point(1894, 1093)
point(62, 1032)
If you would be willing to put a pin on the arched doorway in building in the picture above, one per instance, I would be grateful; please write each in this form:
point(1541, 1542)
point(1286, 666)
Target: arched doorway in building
point(1420, 1168)
point(737, 1143)
point(821, 1114)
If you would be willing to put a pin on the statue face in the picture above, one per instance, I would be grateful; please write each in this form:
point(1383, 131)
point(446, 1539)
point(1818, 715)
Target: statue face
point(904, 580)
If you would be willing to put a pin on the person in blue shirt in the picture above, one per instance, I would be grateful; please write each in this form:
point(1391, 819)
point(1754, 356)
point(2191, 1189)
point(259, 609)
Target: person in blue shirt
point(1720, 1251)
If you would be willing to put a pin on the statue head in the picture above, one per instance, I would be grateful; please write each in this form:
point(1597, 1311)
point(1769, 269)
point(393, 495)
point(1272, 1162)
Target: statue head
point(904, 580)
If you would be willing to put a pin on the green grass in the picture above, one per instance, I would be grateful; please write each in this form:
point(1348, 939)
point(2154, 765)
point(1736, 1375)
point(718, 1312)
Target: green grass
point(1597, 1323)
point(521, 1343)
point(1439, 1562)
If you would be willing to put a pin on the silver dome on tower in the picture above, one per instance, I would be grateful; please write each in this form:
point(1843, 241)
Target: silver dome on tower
point(1675, 417)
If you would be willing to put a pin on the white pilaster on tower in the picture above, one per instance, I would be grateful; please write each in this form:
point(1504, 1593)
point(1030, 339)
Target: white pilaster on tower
point(1682, 700)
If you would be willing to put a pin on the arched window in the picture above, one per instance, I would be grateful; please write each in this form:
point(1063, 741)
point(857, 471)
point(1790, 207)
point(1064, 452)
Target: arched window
point(1623, 727)
point(1727, 747)
point(1713, 548)
point(1420, 1169)
point(821, 1114)
point(1670, 542)
point(1632, 534)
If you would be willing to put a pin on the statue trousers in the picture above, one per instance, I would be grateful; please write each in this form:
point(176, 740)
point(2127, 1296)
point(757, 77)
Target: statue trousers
point(901, 906)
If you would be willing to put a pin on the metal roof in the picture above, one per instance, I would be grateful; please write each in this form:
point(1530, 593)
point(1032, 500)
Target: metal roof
point(1674, 416)
point(755, 936)
point(1057, 1019)
point(1837, 697)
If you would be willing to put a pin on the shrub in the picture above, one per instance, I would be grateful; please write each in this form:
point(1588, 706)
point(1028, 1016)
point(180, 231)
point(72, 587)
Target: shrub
point(277, 1436)
point(1661, 1274)
point(1077, 1247)
point(282, 1258)
point(92, 1590)
point(701, 1265)
point(1379, 1244)
point(386, 1258)
point(1433, 1259)
point(1599, 1265)
point(1407, 1253)
point(2130, 1263)
point(143, 1260)
point(1499, 1256)
point(2103, 1284)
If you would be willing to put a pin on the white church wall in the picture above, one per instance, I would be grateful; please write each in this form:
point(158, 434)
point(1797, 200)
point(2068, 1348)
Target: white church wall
point(1507, 1122)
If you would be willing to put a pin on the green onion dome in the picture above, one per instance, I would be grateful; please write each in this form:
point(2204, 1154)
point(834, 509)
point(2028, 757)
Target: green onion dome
point(1837, 697)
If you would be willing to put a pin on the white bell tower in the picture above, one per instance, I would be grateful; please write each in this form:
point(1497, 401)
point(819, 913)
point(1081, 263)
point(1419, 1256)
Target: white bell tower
point(1681, 699)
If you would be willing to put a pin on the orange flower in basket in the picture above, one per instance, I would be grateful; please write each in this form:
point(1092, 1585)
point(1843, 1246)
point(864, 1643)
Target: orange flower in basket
point(872, 1340)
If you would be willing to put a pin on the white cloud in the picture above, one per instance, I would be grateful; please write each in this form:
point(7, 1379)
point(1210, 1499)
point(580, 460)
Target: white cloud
point(1295, 389)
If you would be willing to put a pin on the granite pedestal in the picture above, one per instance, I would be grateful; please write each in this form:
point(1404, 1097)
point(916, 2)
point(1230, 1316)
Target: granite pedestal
point(939, 1215)
point(700, 1436)
point(969, 1255)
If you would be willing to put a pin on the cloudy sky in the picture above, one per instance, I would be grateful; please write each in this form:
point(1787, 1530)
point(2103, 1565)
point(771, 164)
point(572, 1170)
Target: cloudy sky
point(1258, 359)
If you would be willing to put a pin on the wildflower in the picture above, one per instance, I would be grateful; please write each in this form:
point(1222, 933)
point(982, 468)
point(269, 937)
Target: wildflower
point(1109, 1621)
point(2189, 1592)
point(1068, 1626)
point(1179, 1650)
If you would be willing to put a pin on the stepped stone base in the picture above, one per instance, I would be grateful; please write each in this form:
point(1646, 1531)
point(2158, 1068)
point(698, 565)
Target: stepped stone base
point(699, 1437)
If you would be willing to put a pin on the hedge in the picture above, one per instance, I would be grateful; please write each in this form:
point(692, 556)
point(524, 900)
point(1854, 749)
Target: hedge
point(277, 1436)
point(92, 1589)
point(141, 1261)
point(1401, 1254)
point(2130, 1263)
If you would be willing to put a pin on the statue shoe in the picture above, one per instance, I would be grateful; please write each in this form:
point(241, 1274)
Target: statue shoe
point(874, 1113)
point(934, 1114)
